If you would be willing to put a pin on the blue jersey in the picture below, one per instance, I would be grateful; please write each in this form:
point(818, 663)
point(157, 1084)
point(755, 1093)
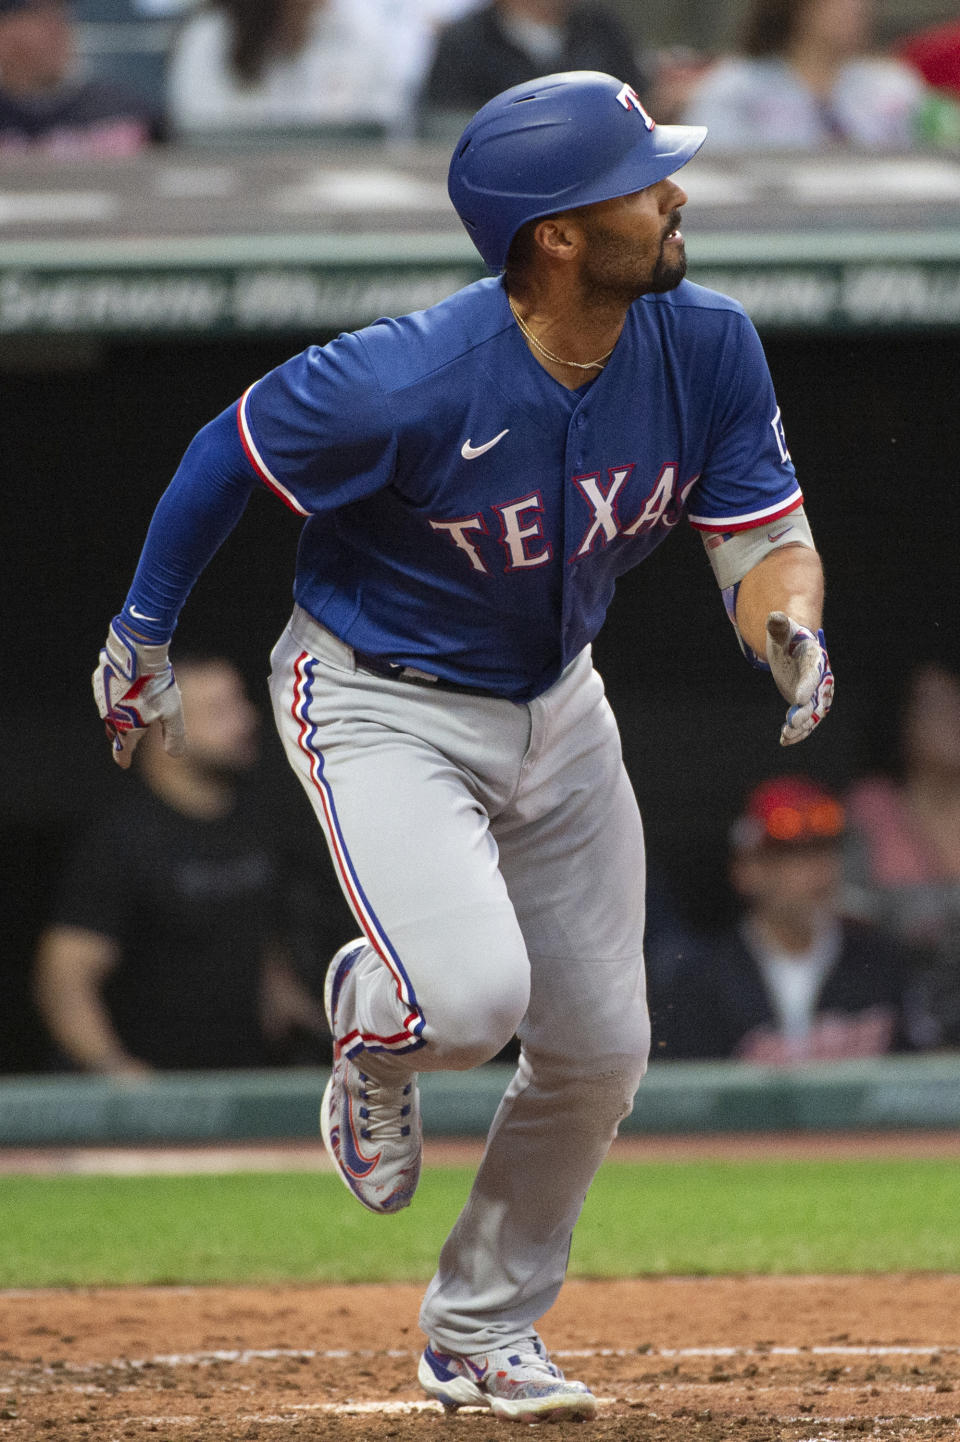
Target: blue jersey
point(468, 515)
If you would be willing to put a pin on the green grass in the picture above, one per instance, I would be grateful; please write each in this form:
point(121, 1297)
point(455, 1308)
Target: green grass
point(679, 1218)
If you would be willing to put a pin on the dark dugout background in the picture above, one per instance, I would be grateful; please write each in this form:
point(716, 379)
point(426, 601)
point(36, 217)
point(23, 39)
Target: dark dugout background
point(91, 438)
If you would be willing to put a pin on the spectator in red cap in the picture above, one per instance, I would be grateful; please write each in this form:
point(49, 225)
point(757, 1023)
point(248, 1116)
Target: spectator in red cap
point(793, 981)
point(936, 54)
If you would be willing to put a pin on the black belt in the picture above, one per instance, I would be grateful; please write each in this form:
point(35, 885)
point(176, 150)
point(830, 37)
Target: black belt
point(394, 671)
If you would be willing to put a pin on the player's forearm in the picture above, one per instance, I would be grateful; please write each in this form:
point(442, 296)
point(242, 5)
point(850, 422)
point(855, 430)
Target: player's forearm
point(194, 516)
point(789, 579)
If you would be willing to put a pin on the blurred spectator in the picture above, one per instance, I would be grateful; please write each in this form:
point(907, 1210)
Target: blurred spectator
point(935, 54)
point(675, 73)
point(441, 12)
point(166, 957)
point(903, 855)
point(510, 41)
point(248, 66)
point(805, 81)
point(164, 8)
point(45, 106)
point(793, 982)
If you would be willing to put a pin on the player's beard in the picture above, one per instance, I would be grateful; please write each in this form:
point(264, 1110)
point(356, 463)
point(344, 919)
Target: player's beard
point(615, 270)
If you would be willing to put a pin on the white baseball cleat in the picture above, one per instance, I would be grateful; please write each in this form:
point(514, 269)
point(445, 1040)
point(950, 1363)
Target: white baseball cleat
point(371, 1130)
point(518, 1382)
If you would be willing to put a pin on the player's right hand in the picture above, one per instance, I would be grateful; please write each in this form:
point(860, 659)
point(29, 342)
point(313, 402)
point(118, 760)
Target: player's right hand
point(801, 668)
point(134, 687)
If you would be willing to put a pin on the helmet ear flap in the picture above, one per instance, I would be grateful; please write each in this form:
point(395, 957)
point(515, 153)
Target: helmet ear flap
point(553, 144)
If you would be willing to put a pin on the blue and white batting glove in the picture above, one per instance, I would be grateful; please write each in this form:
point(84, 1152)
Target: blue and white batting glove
point(801, 668)
point(134, 686)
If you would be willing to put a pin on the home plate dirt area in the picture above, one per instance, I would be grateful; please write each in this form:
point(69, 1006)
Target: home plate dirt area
point(670, 1359)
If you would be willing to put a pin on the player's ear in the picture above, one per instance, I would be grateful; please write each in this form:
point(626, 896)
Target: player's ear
point(559, 237)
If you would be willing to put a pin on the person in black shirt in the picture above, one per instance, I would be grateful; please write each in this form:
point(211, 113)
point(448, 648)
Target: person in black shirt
point(162, 951)
point(509, 41)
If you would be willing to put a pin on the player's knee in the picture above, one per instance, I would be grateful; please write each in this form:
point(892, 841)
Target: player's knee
point(472, 1028)
point(595, 1094)
point(477, 1040)
point(612, 1092)
point(601, 1107)
point(475, 995)
point(624, 1052)
point(605, 1096)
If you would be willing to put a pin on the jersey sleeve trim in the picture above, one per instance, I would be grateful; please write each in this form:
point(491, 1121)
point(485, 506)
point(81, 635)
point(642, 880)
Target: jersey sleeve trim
point(749, 518)
point(257, 461)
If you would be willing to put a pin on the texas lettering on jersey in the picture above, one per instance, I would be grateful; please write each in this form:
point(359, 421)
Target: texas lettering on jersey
point(521, 533)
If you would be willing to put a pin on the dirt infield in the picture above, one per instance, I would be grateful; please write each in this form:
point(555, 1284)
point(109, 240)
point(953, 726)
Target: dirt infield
point(672, 1360)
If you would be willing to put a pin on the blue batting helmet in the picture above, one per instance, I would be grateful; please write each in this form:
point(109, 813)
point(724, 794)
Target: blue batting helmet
point(551, 144)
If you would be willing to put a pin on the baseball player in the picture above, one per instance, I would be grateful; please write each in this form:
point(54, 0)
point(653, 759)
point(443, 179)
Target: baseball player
point(472, 479)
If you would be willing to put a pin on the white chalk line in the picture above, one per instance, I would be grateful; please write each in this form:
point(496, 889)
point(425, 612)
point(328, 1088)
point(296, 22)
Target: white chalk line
point(343, 1354)
point(570, 1353)
point(244, 1356)
point(363, 1409)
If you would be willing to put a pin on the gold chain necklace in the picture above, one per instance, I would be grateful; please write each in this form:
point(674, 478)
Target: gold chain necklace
point(594, 365)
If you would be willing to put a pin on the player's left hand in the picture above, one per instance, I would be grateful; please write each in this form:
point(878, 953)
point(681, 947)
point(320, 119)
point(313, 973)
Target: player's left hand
point(134, 686)
point(801, 668)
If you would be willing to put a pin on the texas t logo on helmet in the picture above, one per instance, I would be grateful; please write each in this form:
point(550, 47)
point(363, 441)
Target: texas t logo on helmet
point(630, 100)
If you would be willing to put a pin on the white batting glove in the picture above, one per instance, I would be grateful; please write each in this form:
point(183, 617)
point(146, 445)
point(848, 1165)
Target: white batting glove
point(801, 668)
point(134, 686)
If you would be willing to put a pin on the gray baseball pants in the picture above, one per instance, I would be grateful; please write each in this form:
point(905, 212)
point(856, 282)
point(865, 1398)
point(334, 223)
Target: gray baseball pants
point(493, 855)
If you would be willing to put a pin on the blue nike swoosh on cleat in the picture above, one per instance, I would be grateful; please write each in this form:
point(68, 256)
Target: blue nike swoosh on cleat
point(437, 1365)
point(353, 1159)
point(438, 1361)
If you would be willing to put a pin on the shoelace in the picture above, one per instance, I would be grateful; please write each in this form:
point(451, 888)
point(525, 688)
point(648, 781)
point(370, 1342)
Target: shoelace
point(531, 1354)
point(379, 1112)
